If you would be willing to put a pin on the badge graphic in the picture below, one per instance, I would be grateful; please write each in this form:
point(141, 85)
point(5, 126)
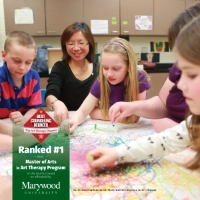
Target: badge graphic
point(40, 125)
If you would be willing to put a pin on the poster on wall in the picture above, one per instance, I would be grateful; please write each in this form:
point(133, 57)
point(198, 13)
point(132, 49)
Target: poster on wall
point(143, 22)
point(151, 57)
point(159, 46)
point(24, 16)
point(99, 26)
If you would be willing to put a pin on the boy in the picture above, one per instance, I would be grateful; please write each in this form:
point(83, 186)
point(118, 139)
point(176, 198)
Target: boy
point(19, 84)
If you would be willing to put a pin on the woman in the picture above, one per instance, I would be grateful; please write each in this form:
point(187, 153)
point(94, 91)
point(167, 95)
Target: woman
point(70, 79)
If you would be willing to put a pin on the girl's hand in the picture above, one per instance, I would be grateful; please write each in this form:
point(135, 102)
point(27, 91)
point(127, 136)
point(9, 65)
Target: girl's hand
point(120, 110)
point(17, 118)
point(73, 125)
point(61, 113)
point(102, 157)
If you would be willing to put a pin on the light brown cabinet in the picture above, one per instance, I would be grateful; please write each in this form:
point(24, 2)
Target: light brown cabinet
point(165, 11)
point(128, 10)
point(20, 14)
point(51, 17)
point(103, 10)
point(156, 80)
point(62, 13)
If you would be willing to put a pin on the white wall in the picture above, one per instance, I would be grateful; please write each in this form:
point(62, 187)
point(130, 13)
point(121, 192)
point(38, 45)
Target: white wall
point(137, 42)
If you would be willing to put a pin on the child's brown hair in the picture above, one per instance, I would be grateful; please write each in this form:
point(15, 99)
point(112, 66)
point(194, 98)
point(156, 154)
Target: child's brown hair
point(21, 38)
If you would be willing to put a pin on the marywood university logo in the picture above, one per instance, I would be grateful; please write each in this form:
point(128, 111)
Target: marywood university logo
point(40, 125)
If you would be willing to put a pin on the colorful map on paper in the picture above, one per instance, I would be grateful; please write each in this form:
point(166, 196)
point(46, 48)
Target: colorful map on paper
point(5, 163)
point(153, 179)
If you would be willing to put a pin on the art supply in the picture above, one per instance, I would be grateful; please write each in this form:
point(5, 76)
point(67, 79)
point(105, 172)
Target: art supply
point(90, 157)
point(115, 128)
point(64, 126)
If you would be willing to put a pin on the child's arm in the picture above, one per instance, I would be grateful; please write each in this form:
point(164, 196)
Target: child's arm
point(6, 187)
point(153, 146)
point(5, 128)
point(30, 113)
point(96, 114)
point(151, 109)
point(141, 96)
point(162, 124)
point(5, 142)
point(86, 107)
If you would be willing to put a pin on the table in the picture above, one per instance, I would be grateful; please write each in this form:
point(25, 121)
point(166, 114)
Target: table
point(161, 178)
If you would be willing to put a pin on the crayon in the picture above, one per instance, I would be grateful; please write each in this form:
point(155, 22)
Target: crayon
point(90, 157)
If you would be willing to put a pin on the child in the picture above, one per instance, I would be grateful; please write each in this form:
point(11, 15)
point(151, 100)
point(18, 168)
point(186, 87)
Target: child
point(19, 84)
point(181, 136)
point(119, 80)
point(169, 107)
point(6, 188)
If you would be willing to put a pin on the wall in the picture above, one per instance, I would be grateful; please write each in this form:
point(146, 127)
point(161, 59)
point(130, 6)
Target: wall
point(2, 28)
point(138, 42)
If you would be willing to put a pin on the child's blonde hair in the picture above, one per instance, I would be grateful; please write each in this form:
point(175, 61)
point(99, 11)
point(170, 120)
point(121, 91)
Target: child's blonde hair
point(21, 38)
point(123, 48)
point(187, 45)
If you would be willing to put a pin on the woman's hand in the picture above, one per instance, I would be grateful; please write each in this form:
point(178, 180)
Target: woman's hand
point(61, 113)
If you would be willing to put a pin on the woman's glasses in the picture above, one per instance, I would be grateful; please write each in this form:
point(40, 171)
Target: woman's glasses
point(78, 44)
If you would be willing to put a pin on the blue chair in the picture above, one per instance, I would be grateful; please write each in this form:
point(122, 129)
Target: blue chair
point(43, 91)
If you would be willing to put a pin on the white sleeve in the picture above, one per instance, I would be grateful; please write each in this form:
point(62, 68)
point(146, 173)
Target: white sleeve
point(159, 144)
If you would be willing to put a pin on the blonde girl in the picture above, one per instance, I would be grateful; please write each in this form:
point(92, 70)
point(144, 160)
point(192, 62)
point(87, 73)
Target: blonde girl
point(181, 136)
point(119, 80)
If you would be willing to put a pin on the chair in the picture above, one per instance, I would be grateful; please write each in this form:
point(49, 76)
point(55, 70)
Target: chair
point(43, 91)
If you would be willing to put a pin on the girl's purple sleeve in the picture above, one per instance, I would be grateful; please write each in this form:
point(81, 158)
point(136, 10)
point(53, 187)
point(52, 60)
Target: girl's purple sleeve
point(95, 89)
point(143, 82)
point(174, 73)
